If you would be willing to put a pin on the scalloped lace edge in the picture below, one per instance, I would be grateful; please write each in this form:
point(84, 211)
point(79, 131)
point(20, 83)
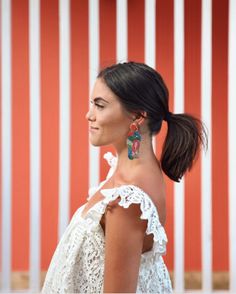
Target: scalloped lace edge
point(151, 214)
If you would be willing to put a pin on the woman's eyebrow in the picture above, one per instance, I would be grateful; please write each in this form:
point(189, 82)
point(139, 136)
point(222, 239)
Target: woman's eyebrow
point(99, 99)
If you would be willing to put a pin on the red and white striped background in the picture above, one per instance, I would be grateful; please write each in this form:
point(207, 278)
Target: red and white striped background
point(50, 55)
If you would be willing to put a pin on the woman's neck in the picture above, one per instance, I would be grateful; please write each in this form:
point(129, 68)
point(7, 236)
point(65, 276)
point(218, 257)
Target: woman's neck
point(146, 156)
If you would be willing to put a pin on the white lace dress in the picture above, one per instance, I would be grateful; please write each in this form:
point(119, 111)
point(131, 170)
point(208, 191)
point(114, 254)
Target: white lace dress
point(77, 265)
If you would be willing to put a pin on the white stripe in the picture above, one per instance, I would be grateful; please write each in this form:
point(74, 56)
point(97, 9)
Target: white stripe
point(35, 143)
point(121, 31)
point(179, 236)
point(150, 40)
point(150, 32)
point(179, 108)
point(6, 142)
point(232, 144)
point(64, 147)
point(93, 71)
point(206, 175)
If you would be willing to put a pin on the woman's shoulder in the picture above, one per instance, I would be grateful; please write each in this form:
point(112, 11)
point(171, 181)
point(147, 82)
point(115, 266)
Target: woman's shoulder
point(155, 188)
point(148, 178)
point(146, 183)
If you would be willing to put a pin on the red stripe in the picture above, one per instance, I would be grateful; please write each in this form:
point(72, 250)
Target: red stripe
point(165, 65)
point(79, 102)
point(50, 127)
point(219, 135)
point(136, 30)
point(79, 106)
point(192, 106)
point(107, 57)
point(20, 135)
point(107, 33)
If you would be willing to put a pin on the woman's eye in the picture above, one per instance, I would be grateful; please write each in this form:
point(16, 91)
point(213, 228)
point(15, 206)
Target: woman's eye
point(99, 106)
point(96, 104)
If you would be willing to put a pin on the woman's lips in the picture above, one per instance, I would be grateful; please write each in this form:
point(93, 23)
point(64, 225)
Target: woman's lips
point(92, 129)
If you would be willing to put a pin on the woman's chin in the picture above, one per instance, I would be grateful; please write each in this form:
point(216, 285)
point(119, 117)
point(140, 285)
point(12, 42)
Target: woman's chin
point(95, 144)
point(99, 143)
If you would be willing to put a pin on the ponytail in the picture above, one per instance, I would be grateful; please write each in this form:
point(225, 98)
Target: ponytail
point(185, 136)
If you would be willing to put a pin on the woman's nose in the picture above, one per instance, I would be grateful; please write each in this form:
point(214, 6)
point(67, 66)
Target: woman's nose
point(90, 116)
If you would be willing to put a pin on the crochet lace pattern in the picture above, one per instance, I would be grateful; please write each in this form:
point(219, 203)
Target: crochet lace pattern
point(77, 265)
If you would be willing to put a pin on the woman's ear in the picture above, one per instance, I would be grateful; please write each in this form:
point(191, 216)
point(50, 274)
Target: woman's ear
point(141, 117)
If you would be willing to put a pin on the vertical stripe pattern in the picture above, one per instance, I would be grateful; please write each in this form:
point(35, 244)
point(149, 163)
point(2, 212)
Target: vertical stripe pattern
point(206, 176)
point(93, 71)
point(232, 143)
point(179, 108)
point(64, 153)
point(150, 38)
point(35, 144)
point(121, 31)
point(50, 109)
point(50, 55)
point(150, 33)
point(6, 140)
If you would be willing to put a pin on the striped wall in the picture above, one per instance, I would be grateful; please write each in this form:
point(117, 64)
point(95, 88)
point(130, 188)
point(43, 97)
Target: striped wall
point(50, 52)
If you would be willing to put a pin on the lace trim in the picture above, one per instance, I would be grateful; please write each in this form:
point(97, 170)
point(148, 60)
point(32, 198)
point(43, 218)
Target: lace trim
point(129, 194)
point(132, 194)
point(110, 158)
point(112, 161)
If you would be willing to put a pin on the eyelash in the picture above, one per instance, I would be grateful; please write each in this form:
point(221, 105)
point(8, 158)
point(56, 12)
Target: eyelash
point(97, 105)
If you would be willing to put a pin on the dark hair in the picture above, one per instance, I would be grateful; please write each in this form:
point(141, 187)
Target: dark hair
point(141, 89)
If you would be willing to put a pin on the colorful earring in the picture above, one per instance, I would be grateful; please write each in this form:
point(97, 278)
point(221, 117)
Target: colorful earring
point(133, 141)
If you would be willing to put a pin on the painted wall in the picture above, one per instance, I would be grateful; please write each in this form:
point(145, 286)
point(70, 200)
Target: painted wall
point(50, 87)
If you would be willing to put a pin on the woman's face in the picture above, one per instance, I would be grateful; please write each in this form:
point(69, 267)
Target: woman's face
point(108, 121)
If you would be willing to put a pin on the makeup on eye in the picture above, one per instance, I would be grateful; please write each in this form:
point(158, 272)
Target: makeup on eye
point(99, 106)
point(96, 104)
point(98, 99)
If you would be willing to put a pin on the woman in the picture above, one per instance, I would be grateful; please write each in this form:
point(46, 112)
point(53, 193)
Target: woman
point(116, 240)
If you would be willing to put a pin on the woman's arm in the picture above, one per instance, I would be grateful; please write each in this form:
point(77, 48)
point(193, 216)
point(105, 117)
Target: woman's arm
point(124, 235)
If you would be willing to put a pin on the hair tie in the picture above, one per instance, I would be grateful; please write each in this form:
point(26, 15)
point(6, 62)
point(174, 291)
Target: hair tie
point(167, 116)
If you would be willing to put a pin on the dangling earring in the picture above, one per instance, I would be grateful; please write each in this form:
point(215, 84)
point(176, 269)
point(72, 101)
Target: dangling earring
point(133, 141)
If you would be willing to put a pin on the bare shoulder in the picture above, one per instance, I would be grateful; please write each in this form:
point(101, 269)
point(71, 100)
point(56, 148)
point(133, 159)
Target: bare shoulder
point(151, 181)
point(124, 239)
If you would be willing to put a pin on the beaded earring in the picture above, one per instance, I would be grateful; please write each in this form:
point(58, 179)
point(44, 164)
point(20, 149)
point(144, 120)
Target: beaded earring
point(133, 141)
